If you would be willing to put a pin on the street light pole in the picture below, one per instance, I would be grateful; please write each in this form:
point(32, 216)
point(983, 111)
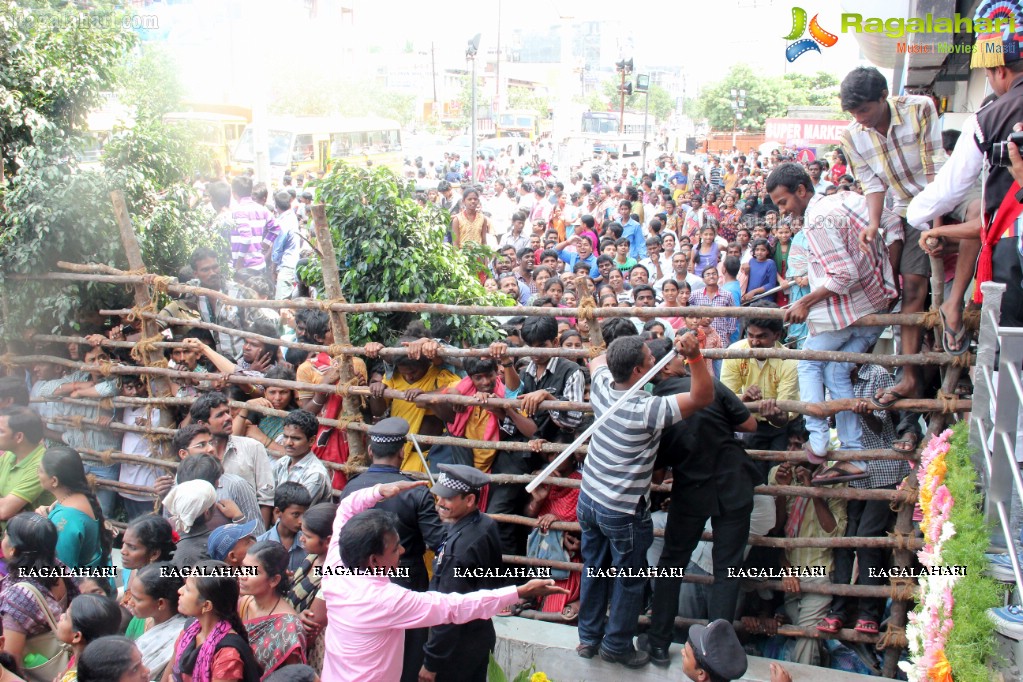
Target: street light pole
point(470, 54)
point(624, 68)
point(643, 85)
point(738, 106)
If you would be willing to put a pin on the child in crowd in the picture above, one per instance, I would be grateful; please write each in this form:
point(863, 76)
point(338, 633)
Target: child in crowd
point(291, 500)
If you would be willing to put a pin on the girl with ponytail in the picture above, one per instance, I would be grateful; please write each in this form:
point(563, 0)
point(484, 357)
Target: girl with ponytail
point(83, 539)
point(214, 644)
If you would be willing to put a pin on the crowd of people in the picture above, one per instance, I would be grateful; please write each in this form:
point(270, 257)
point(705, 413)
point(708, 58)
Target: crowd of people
point(830, 243)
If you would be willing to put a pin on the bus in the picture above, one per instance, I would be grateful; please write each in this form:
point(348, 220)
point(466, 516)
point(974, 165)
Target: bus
point(101, 124)
point(217, 132)
point(602, 128)
point(525, 123)
point(304, 144)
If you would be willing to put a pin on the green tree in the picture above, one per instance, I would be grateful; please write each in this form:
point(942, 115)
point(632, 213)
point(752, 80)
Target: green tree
point(520, 97)
point(465, 100)
point(819, 90)
point(150, 83)
point(53, 70)
point(389, 248)
point(608, 97)
point(765, 98)
point(57, 211)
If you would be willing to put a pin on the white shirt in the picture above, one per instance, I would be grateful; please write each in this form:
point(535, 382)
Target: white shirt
point(953, 182)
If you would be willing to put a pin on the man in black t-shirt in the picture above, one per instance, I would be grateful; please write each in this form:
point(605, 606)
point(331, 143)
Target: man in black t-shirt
point(714, 478)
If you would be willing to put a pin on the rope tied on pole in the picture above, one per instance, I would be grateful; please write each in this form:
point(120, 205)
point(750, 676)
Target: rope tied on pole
point(325, 304)
point(143, 347)
point(107, 456)
point(106, 367)
point(5, 360)
point(966, 360)
point(912, 493)
point(161, 284)
point(902, 540)
point(338, 349)
point(971, 319)
point(903, 589)
point(893, 638)
point(586, 307)
point(597, 351)
point(948, 402)
point(931, 320)
point(106, 404)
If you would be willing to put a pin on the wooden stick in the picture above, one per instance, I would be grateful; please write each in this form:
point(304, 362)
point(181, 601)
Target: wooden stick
point(339, 326)
point(158, 386)
point(445, 309)
point(822, 410)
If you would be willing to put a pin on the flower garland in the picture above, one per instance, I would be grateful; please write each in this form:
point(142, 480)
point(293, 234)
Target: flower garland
point(930, 624)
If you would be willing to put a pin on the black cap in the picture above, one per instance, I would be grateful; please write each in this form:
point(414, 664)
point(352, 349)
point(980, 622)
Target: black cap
point(718, 650)
point(390, 430)
point(458, 479)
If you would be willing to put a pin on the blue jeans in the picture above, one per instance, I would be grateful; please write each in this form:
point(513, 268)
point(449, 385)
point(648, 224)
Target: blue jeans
point(107, 497)
point(611, 539)
point(815, 375)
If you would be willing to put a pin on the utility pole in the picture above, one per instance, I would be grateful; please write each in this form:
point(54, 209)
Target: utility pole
point(470, 54)
point(624, 68)
point(433, 72)
point(643, 85)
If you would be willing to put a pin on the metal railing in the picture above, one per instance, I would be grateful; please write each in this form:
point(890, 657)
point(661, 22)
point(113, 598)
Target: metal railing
point(993, 432)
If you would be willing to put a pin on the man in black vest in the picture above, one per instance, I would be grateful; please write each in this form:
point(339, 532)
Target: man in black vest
point(419, 528)
point(714, 478)
point(993, 123)
point(460, 653)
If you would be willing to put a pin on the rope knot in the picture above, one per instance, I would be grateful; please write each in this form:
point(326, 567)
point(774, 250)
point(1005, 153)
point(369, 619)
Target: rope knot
point(337, 349)
point(107, 456)
point(971, 319)
point(901, 539)
point(903, 589)
point(5, 360)
point(597, 351)
point(106, 403)
point(143, 347)
point(948, 402)
point(106, 367)
point(965, 360)
point(931, 319)
point(586, 307)
point(893, 638)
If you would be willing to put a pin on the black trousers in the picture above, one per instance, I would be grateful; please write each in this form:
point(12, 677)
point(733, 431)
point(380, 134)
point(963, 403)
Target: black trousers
point(867, 518)
point(681, 535)
point(510, 499)
point(767, 437)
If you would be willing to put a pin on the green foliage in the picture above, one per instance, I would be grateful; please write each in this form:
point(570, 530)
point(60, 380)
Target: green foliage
point(323, 90)
point(150, 83)
point(53, 69)
point(465, 99)
point(766, 97)
point(389, 248)
point(57, 211)
point(971, 643)
point(520, 97)
point(608, 98)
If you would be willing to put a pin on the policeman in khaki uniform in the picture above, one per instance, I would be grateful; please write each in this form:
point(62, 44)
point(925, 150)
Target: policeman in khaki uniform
point(460, 653)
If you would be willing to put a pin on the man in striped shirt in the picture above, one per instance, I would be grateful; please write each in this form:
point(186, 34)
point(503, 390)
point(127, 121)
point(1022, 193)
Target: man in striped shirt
point(251, 227)
point(613, 508)
point(846, 283)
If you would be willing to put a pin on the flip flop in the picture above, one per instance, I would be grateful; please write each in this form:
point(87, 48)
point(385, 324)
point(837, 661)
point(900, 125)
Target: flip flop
point(830, 625)
point(958, 337)
point(876, 402)
point(908, 438)
point(842, 477)
point(867, 627)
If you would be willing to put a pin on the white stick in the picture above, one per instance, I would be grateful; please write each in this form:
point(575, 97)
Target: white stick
point(567, 452)
point(422, 458)
point(769, 292)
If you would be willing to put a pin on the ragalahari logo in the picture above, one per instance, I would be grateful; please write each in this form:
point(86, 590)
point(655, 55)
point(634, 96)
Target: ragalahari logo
point(817, 35)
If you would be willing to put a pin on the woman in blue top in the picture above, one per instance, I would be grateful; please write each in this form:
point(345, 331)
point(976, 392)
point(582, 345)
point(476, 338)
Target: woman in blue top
point(763, 273)
point(82, 539)
point(707, 252)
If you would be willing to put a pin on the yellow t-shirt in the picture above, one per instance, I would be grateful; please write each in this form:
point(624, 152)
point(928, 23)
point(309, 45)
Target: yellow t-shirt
point(434, 380)
point(476, 429)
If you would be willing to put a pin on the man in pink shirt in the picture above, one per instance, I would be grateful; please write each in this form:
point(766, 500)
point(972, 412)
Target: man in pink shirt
point(367, 615)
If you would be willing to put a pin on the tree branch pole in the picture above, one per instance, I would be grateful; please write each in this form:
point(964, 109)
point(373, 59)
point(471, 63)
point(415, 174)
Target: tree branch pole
point(515, 446)
point(158, 386)
point(874, 320)
point(825, 409)
point(930, 358)
point(339, 326)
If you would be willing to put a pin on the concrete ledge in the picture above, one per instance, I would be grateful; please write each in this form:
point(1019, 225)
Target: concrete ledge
point(551, 648)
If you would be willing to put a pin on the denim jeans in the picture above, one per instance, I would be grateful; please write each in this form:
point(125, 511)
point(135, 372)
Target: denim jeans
point(611, 539)
point(107, 498)
point(815, 375)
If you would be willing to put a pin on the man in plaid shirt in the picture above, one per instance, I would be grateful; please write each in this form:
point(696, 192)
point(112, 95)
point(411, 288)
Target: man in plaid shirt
point(867, 518)
point(846, 283)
